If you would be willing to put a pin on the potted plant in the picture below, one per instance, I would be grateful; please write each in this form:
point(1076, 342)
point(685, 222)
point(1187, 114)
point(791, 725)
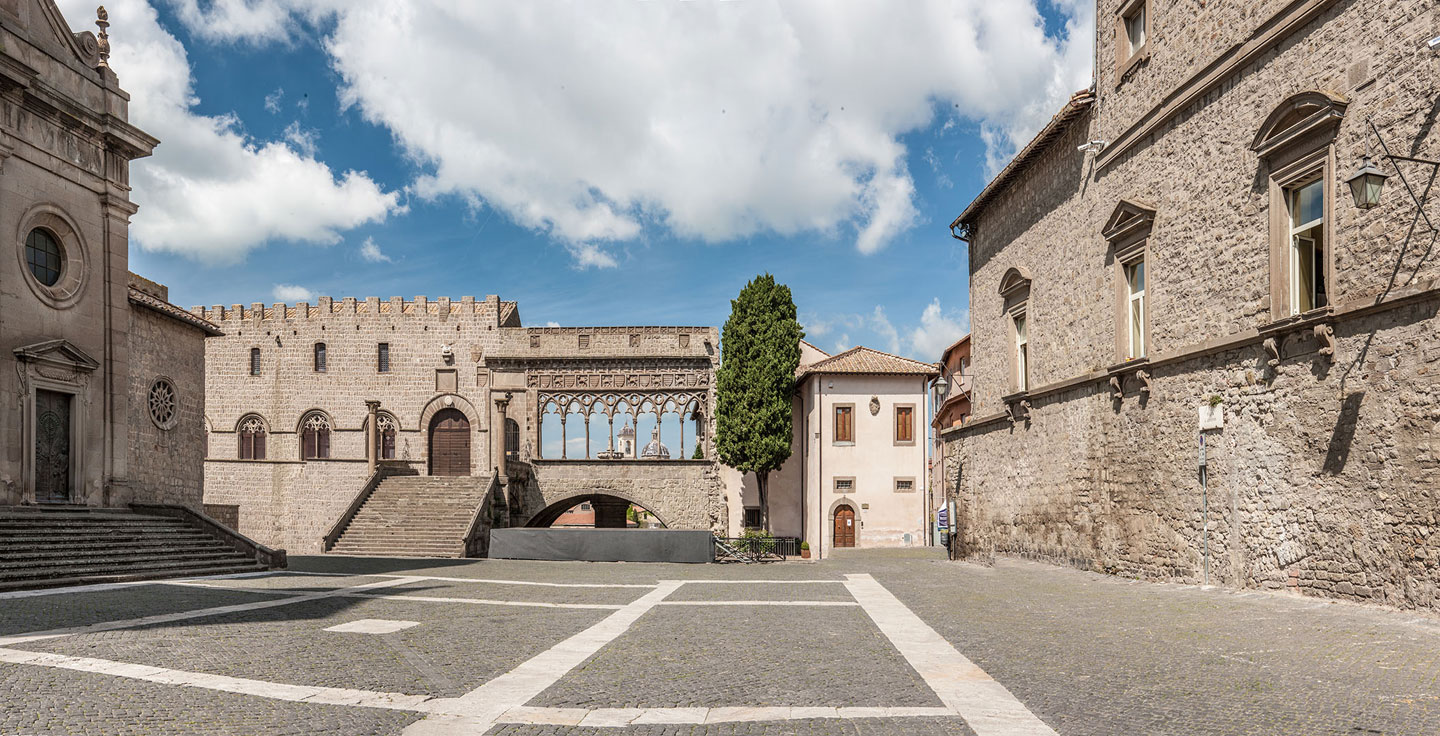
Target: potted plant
point(804, 550)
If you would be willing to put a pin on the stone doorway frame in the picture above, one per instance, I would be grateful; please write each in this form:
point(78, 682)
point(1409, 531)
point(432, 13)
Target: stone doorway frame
point(58, 366)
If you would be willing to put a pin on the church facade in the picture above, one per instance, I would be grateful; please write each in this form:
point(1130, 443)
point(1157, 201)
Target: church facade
point(103, 378)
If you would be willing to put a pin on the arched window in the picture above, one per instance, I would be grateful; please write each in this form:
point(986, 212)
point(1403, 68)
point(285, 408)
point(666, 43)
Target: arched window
point(512, 439)
point(254, 361)
point(315, 437)
point(252, 438)
point(386, 427)
point(319, 357)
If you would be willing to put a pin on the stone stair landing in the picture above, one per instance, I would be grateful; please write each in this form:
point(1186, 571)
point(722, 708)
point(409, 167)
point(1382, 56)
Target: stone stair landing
point(415, 516)
point(74, 545)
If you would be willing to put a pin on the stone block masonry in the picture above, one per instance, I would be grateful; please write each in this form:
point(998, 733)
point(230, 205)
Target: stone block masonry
point(1325, 478)
point(441, 359)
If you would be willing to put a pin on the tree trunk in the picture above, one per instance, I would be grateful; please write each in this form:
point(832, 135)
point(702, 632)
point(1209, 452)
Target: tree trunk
point(762, 481)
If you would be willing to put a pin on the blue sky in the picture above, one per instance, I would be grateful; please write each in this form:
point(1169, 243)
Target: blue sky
point(569, 204)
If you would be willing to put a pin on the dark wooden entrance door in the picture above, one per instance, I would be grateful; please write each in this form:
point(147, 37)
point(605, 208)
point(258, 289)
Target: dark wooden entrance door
point(844, 527)
point(52, 446)
point(449, 443)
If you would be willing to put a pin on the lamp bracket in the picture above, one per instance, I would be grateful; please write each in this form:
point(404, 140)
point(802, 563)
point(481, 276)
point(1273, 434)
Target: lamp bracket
point(1419, 202)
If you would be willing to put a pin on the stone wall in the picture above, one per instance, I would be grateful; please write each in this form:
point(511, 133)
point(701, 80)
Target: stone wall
point(1324, 478)
point(466, 354)
point(167, 465)
point(684, 494)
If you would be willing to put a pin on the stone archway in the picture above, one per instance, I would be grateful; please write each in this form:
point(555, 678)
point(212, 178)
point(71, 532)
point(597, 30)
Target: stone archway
point(609, 510)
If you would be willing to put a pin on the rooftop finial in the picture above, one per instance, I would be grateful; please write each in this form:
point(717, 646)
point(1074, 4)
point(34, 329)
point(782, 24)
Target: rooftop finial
point(102, 20)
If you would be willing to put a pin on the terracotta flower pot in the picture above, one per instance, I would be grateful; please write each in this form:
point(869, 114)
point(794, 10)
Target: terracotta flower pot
point(804, 554)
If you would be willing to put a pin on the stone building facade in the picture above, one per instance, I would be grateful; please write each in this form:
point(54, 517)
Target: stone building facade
point(1200, 272)
point(86, 345)
point(305, 402)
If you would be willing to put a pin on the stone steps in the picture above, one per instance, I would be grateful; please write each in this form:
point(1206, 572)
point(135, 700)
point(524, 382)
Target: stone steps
point(414, 516)
point(54, 546)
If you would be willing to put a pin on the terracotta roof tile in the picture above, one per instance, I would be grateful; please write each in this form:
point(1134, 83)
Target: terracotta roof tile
point(864, 360)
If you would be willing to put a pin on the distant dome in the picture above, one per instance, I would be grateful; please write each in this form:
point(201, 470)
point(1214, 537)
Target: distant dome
point(655, 449)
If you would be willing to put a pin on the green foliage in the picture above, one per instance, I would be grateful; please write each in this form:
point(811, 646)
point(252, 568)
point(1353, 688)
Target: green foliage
point(756, 534)
point(1215, 400)
point(699, 453)
point(759, 352)
point(804, 545)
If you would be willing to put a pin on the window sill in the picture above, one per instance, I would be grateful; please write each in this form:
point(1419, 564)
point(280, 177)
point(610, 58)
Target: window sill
point(907, 443)
point(1126, 70)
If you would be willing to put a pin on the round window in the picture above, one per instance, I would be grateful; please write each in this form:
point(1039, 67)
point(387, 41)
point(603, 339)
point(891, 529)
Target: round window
point(43, 255)
point(162, 403)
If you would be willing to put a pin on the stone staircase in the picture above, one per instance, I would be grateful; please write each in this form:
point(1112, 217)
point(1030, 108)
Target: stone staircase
point(414, 516)
point(46, 546)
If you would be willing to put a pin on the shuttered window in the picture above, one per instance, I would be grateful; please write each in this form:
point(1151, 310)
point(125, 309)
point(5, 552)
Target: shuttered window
point(315, 438)
point(382, 357)
point(904, 424)
point(254, 361)
point(844, 424)
point(319, 357)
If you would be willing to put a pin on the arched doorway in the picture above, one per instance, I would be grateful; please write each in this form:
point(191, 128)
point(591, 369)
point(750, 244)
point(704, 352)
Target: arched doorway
point(844, 527)
point(449, 443)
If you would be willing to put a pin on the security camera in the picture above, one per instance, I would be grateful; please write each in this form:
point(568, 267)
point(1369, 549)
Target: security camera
point(1094, 146)
point(1433, 43)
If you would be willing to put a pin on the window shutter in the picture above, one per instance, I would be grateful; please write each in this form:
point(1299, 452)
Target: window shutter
point(247, 445)
point(382, 358)
point(258, 451)
point(307, 444)
point(322, 443)
point(254, 361)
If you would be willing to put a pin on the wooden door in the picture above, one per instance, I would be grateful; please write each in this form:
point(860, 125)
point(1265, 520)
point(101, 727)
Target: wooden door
point(845, 527)
point(449, 443)
point(52, 446)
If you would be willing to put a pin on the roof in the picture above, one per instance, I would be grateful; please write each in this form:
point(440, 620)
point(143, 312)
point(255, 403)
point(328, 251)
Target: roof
point(1074, 107)
point(864, 360)
point(945, 354)
point(812, 347)
point(170, 310)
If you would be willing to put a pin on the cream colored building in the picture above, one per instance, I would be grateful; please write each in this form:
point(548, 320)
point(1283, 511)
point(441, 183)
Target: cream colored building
point(857, 472)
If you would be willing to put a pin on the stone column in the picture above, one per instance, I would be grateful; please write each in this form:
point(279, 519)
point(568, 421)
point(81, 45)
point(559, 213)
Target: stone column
point(497, 435)
point(372, 409)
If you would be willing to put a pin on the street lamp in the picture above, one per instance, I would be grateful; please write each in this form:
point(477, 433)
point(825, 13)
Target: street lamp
point(1366, 184)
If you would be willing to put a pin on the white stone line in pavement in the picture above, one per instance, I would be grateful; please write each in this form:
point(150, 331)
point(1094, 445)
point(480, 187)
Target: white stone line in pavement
point(757, 603)
point(486, 602)
point(764, 582)
point(223, 683)
point(418, 598)
point(422, 578)
point(185, 615)
point(987, 707)
point(481, 707)
point(619, 717)
point(102, 587)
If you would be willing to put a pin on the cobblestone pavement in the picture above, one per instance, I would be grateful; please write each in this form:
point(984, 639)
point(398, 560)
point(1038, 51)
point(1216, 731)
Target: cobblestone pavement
point(1084, 653)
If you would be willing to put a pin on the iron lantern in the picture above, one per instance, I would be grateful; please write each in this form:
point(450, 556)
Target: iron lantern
point(1366, 184)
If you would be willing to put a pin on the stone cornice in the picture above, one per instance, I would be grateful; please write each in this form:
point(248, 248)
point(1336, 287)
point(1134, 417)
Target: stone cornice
point(1346, 311)
point(1268, 35)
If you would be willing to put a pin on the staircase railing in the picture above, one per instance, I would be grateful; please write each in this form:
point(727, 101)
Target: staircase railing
point(267, 556)
point(381, 473)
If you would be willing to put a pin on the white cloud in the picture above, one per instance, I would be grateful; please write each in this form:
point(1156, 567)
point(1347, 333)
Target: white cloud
point(842, 344)
point(937, 330)
point(371, 252)
point(881, 326)
point(589, 255)
point(272, 100)
point(593, 121)
point(210, 191)
point(303, 140)
point(552, 323)
point(292, 293)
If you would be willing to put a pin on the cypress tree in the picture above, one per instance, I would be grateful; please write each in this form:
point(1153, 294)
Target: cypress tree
point(759, 352)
